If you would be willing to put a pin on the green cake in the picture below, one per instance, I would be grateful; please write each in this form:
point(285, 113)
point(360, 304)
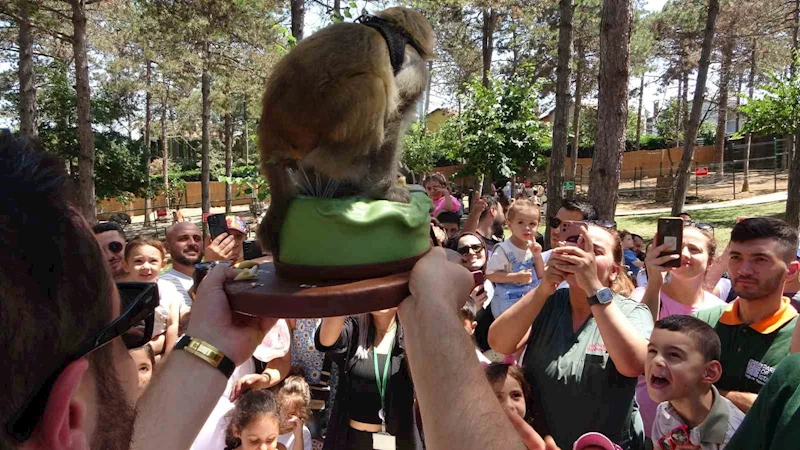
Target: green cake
point(355, 233)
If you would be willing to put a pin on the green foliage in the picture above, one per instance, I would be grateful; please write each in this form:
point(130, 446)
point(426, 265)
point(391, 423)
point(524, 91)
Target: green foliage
point(423, 148)
point(778, 112)
point(254, 186)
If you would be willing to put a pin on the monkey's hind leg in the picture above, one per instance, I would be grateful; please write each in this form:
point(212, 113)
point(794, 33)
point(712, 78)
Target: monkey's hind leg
point(281, 194)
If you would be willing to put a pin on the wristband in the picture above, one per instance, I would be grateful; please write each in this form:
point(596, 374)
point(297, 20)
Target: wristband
point(207, 353)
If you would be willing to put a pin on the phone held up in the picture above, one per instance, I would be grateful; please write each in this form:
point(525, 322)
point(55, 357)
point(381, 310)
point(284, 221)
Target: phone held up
point(217, 225)
point(570, 231)
point(670, 231)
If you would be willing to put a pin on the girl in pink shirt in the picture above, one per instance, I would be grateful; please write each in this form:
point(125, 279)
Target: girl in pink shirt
point(436, 187)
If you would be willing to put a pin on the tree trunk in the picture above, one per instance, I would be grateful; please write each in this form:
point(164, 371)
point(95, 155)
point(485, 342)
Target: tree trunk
point(555, 177)
point(612, 106)
point(246, 134)
point(793, 144)
point(751, 86)
point(148, 97)
point(298, 18)
point(685, 109)
point(427, 96)
point(27, 87)
point(576, 114)
point(678, 115)
point(487, 45)
point(738, 99)
point(228, 158)
point(86, 196)
point(722, 108)
point(205, 175)
point(697, 107)
point(639, 114)
point(793, 207)
point(165, 147)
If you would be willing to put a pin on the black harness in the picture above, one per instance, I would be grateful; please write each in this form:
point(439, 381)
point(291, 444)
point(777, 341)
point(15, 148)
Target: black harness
point(396, 38)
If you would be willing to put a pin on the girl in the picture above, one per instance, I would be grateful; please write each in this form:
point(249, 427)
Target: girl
point(145, 360)
point(254, 424)
point(509, 384)
point(374, 389)
point(294, 399)
point(586, 345)
point(682, 294)
point(436, 187)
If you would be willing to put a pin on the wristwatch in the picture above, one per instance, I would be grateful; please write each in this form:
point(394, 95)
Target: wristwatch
point(207, 353)
point(601, 297)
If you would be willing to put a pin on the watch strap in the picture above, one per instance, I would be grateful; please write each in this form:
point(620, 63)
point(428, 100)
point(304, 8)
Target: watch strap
point(595, 299)
point(207, 353)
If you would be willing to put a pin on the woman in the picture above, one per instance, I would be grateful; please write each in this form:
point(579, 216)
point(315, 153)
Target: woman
point(681, 294)
point(474, 258)
point(375, 388)
point(586, 345)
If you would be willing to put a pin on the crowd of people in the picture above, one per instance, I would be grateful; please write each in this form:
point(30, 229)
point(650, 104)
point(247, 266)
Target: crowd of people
point(590, 340)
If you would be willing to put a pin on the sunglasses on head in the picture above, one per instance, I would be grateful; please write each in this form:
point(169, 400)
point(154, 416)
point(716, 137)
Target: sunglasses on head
point(555, 222)
point(115, 246)
point(707, 227)
point(466, 248)
point(134, 325)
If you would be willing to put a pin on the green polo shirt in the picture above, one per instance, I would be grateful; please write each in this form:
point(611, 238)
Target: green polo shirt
point(576, 387)
point(750, 352)
point(773, 422)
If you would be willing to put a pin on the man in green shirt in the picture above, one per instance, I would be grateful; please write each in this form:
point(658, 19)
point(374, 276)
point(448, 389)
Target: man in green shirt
point(756, 328)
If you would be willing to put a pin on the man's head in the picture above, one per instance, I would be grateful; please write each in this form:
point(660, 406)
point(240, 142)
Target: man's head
point(451, 222)
point(493, 216)
point(682, 359)
point(685, 216)
point(638, 243)
point(185, 244)
point(112, 241)
point(762, 257)
point(52, 303)
point(237, 228)
point(570, 210)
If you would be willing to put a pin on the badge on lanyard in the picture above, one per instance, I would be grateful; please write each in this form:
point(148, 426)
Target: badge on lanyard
point(383, 440)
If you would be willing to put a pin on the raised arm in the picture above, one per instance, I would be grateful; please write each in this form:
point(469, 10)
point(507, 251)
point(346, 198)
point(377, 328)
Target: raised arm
point(655, 276)
point(330, 330)
point(476, 207)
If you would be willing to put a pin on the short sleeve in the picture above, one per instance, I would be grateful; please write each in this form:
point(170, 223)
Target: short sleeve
point(498, 262)
point(307, 443)
point(641, 319)
point(638, 294)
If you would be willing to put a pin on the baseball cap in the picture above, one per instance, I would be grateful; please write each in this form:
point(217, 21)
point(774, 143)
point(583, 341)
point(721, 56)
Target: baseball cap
point(236, 223)
point(596, 439)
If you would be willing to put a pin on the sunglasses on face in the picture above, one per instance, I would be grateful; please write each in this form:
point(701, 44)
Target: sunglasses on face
point(555, 222)
point(476, 248)
point(115, 246)
point(134, 326)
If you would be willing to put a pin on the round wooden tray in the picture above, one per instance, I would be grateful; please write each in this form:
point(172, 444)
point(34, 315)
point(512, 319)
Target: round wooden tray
point(270, 295)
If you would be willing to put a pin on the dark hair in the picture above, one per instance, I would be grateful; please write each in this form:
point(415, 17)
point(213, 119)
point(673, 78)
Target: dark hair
point(634, 235)
point(469, 311)
point(449, 217)
point(148, 350)
point(295, 390)
point(490, 202)
point(53, 285)
point(109, 226)
point(582, 206)
point(704, 337)
point(768, 228)
point(249, 406)
point(435, 177)
point(684, 213)
point(499, 372)
point(452, 244)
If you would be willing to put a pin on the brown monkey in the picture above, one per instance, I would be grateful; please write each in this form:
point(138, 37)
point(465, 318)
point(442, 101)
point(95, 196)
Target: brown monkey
point(335, 109)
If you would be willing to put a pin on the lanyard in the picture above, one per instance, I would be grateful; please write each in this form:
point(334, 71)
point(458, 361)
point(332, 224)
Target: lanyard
point(382, 381)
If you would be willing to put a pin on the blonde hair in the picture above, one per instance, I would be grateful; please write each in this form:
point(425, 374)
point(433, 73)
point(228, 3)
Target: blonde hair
point(137, 242)
point(295, 391)
point(522, 204)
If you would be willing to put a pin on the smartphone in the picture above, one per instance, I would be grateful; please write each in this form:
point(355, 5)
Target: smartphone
point(217, 225)
point(570, 231)
point(251, 249)
point(670, 231)
point(477, 278)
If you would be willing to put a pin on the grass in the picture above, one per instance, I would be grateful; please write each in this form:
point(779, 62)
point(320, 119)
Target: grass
point(723, 220)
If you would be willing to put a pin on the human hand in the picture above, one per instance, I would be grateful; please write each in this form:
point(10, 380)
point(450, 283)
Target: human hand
point(580, 262)
point(297, 425)
point(213, 321)
point(220, 249)
point(478, 296)
point(253, 381)
point(654, 262)
point(183, 320)
point(157, 344)
point(522, 277)
point(426, 281)
point(551, 279)
point(535, 247)
point(532, 439)
point(478, 205)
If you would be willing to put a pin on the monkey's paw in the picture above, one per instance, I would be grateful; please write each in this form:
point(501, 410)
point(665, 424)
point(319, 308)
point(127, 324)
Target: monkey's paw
point(398, 193)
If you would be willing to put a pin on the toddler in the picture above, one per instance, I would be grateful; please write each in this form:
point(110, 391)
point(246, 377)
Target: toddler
point(681, 368)
point(294, 399)
point(516, 265)
point(254, 424)
point(436, 187)
point(631, 260)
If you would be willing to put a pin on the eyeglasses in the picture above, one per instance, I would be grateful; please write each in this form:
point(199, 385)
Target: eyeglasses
point(707, 227)
point(115, 246)
point(555, 222)
point(476, 248)
point(134, 325)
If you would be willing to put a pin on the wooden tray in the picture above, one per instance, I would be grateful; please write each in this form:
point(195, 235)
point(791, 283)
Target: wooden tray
point(270, 295)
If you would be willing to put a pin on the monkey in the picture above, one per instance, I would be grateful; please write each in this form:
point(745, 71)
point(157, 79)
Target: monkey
point(335, 109)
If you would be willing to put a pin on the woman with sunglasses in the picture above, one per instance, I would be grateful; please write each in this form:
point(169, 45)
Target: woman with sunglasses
point(586, 345)
point(680, 293)
point(474, 258)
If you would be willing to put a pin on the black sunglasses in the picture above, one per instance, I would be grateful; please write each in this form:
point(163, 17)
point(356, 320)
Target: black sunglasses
point(699, 225)
point(466, 248)
point(555, 222)
point(134, 325)
point(115, 246)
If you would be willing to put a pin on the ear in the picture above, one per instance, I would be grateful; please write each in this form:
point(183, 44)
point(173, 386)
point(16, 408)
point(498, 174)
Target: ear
point(792, 270)
point(163, 263)
point(473, 326)
point(712, 372)
point(615, 269)
point(63, 422)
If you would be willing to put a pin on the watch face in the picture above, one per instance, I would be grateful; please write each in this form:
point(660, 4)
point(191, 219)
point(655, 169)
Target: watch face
point(604, 295)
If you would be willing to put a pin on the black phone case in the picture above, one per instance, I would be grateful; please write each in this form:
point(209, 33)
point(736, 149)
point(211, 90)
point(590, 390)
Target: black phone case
point(251, 249)
point(671, 228)
point(217, 225)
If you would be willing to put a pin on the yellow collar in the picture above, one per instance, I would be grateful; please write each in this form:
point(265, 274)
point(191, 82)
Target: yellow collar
point(767, 325)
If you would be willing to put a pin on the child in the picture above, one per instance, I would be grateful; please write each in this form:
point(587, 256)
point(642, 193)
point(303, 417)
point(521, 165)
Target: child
point(436, 187)
point(509, 384)
point(516, 264)
point(254, 423)
point(145, 360)
point(451, 223)
point(595, 441)
point(294, 399)
point(681, 369)
point(633, 262)
point(467, 314)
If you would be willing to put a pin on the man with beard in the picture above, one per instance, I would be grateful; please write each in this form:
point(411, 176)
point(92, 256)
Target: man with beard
point(756, 328)
point(486, 217)
point(112, 241)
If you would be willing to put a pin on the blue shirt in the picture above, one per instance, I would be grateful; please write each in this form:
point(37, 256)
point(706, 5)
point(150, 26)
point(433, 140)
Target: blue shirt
point(630, 257)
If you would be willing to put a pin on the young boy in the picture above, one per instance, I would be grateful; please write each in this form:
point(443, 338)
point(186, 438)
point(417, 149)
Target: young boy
point(516, 265)
point(467, 315)
point(681, 369)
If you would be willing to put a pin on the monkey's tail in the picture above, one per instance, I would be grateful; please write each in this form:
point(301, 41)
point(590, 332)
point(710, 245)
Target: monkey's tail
point(281, 194)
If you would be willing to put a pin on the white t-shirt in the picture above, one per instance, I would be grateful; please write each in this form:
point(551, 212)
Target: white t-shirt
point(499, 261)
point(182, 283)
point(288, 439)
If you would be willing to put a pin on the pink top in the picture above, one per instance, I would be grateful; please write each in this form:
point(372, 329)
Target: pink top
point(669, 307)
point(438, 205)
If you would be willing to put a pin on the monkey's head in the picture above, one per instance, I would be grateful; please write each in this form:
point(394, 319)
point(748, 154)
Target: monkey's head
point(417, 27)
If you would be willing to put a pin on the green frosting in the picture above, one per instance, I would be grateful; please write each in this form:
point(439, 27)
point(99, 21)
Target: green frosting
point(354, 230)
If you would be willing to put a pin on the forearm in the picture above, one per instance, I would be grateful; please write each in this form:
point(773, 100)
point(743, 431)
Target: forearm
point(473, 219)
point(481, 423)
point(448, 202)
point(626, 347)
point(172, 411)
point(278, 369)
point(652, 297)
point(330, 330)
point(743, 400)
point(538, 265)
point(508, 329)
point(500, 277)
